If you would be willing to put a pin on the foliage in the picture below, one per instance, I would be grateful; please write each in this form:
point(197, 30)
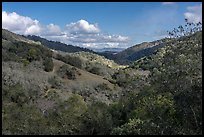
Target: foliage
point(27, 51)
point(55, 82)
point(71, 60)
point(180, 74)
point(97, 119)
point(15, 94)
point(22, 120)
point(167, 102)
point(189, 29)
point(103, 86)
point(172, 103)
point(95, 70)
point(67, 116)
point(25, 62)
point(68, 72)
point(48, 63)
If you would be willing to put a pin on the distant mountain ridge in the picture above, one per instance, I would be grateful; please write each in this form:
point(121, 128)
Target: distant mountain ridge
point(135, 52)
point(58, 45)
point(119, 55)
point(109, 50)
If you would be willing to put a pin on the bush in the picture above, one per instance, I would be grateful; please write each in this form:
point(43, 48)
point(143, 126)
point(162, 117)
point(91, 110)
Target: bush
point(48, 64)
point(32, 54)
point(68, 72)
point(71, 60)
point(25, 62)
point(95, 70)
point(15, 94)
point(97, 120)
point(103, 86)
point(68, 116)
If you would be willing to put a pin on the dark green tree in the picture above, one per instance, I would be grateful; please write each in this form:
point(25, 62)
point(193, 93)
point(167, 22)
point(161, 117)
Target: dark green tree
point(48, 64)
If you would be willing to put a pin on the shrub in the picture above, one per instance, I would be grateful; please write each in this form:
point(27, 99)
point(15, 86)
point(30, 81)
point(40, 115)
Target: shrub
point(68, 72)
point(71, 60)
point(95, 70)
point(103, 86)
point(15, 94)
point(48, 64)
point(25, 62)
point(97, 119)
point(55, 82)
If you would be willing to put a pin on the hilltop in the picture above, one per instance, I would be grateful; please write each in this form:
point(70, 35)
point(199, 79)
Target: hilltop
point(57, 45)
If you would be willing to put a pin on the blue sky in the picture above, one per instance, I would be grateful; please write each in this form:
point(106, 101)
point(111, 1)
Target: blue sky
point(99, 24)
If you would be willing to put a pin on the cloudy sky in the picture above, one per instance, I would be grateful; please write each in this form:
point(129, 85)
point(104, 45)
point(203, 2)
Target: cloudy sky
point(101, 24)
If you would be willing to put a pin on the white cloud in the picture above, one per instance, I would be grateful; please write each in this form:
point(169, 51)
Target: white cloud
point(82, 26)
point(80, 33)
point(33, 29)
point(168, 3)
point(20, 24)
point(52, 30)
point(194, 14)
point(84, 34)
point(104, 45)
point(98, 38)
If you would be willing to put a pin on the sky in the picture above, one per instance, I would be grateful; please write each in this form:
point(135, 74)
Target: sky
point(98, 25)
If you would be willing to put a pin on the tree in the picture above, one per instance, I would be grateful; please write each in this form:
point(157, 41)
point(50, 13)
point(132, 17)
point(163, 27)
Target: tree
point(33, 54)
point(48, 64)
point(189, 29)
point(97, 119)
point(68, 72)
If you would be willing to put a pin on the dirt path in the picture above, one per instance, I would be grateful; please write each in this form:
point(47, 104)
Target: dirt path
point(57, 65)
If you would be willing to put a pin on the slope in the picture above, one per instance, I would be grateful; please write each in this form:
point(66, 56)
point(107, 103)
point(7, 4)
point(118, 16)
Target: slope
point(138, 51)
point(22, 56)
point(57, 45)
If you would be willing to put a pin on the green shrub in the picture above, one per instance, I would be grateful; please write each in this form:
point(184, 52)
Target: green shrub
point(95, 70)
point(97, 120)
point(48, 64)
point(68, 72)
point(15, 94)
point(25, 62)
point(71, 60)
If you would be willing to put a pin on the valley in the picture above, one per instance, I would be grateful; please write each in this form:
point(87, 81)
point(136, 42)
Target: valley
point(51, 88)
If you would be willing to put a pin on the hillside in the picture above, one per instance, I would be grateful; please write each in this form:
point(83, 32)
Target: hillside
point(172, 102)
point(135, 52)
point(48, 92)
point(90, 62)
point(58, 45)
point(125, 56)
point(35, 82)
point(9, 36)
point(25, 56)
